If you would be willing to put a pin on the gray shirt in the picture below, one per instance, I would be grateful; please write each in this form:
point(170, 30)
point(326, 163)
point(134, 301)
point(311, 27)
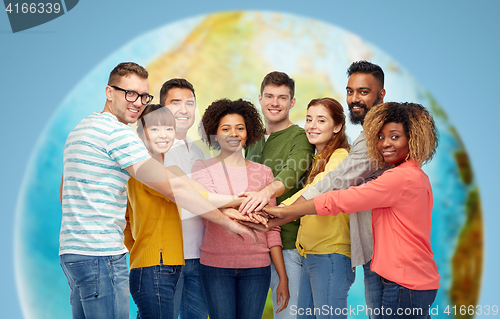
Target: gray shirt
point(354, 170)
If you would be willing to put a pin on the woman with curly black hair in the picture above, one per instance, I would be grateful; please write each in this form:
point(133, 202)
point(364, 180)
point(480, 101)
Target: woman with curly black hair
point(236, 274)
point(403, 137)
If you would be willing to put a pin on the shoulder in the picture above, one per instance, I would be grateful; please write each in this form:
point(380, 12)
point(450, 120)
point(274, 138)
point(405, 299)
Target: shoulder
point(359, 143)
point(340, 152)
point(296, 130)
point(408, 172)
point(195, 149)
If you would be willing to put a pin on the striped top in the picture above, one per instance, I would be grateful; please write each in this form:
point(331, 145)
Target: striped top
point(94, 199)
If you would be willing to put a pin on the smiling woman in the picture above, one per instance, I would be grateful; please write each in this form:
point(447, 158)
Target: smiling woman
point(157, 130)
point(236, 275)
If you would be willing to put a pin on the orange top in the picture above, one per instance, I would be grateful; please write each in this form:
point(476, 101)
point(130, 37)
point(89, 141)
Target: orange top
point(401, 203)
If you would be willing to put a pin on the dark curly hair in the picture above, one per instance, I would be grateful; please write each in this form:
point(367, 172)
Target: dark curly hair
point(418, 125)
point(220, 108)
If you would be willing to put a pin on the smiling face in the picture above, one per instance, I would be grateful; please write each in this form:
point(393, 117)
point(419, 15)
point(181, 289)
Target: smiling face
point(231, 133)
point(182, 104)
point(393, 143)
point(160, 138)
point(116, 104)
point(320, 126)
point(276, 102)
point(363, 92)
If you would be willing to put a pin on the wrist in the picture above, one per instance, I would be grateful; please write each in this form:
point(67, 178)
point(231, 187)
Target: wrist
point(283, 279)
point(268, 191)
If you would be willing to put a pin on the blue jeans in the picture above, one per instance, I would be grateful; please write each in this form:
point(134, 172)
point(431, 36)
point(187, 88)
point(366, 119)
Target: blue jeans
point(293, 264)
point(190, 301)
point(401, 302)
point(324, 286)
point(98, 284)
point(373, 292)
point(238, 293)
point(152, 289)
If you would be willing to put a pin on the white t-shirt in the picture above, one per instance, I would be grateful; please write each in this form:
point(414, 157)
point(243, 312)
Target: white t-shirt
point(193, 229)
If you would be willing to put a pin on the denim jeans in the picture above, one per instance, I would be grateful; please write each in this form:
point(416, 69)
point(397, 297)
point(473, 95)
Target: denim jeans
point(190, 301)
point(293, 264)
point(152, 289)
point(324, 286)
point(236, 293)
point(401, 302)
point(373, 292)
point(98, 284)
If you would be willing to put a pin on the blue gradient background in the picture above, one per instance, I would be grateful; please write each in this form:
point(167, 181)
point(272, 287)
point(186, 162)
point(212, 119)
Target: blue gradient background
point(450, 47)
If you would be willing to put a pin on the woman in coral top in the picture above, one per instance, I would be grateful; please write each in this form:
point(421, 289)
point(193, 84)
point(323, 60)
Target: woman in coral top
point(236, 274)
point(402, 136)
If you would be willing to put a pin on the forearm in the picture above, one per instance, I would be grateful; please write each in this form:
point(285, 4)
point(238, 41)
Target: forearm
point(295, 210)
point(218, 200)
point(273, 222)
point(173, 185)
point(279, 263)
point(300, 208)
point(275, 189)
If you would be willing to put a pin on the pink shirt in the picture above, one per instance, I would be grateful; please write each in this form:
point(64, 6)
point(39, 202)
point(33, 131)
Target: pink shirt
point(401, 203)
point(219, 249)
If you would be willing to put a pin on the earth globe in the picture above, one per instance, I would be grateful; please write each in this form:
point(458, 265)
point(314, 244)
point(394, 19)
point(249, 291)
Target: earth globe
point(226, 55)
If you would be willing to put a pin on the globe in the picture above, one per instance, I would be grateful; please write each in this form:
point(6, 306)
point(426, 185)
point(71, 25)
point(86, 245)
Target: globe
point(226, 55)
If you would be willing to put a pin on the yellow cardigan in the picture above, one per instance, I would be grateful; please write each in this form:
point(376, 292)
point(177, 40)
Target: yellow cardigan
point(154, 228)
point(323, 234)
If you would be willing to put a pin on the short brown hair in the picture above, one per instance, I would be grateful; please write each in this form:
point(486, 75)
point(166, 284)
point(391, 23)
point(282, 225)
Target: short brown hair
point(126, 68)
point(278, 79)
point(172, 84)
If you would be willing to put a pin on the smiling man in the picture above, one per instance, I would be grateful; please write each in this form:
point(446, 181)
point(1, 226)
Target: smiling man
point(179, 97)
point(286, 150)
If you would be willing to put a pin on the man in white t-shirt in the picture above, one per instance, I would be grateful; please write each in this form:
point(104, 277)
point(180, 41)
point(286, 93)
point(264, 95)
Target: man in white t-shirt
point(190, 301)
point(100, 155)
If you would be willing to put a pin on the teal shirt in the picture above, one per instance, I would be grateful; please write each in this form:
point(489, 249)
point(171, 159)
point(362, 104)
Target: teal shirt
point(289, 154)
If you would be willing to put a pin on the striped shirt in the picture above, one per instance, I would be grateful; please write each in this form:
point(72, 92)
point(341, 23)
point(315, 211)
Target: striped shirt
point(94, 199)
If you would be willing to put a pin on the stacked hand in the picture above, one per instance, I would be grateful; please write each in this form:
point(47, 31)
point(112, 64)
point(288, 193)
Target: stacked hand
point(254, 217)
point(254, 201)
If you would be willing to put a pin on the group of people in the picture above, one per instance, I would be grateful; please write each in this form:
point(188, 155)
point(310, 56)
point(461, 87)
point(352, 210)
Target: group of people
point(282, 207)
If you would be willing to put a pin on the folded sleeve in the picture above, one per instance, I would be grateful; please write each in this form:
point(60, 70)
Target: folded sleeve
point(273, 237)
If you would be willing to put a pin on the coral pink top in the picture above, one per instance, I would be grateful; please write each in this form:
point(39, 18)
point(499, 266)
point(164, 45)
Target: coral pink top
point(219, 249)
point(401, 203)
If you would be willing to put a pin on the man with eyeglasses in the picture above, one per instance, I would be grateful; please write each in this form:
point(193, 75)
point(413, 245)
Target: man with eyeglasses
point(100, 155)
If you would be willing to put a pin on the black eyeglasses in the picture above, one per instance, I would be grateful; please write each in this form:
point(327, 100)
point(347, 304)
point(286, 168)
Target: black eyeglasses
point(132, 96)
